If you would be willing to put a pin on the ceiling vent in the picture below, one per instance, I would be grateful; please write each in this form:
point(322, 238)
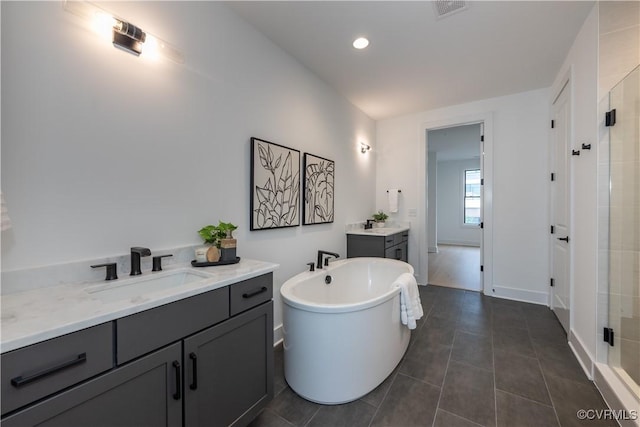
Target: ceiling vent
point(446, 8)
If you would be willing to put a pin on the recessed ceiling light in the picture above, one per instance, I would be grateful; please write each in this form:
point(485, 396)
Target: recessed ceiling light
point(360, 43)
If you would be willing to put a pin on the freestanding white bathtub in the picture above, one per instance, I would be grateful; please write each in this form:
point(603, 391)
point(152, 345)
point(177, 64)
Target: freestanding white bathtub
point(342, 339)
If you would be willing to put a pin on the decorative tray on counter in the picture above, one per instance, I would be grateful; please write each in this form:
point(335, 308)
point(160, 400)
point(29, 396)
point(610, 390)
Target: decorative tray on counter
point(212, 264)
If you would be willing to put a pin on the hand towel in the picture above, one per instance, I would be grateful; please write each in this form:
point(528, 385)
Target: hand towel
point(392, 195)
point(410, 304)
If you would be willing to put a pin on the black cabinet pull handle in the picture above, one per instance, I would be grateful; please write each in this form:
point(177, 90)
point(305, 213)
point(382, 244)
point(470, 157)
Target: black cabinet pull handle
point(566, 239)
point(194, 380)
point(20, 381)
point(177, 395)
point(398, 253)
point(256, 292)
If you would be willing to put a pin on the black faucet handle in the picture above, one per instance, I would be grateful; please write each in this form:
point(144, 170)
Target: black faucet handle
point(112, 270)
point(157, 262)
point(312, 266)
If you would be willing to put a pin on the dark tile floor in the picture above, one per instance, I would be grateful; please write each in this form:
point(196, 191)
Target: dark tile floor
point(472, 361)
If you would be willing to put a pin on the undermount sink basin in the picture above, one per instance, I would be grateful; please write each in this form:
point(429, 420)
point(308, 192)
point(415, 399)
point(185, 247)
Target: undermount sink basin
point(140, 286)
point(379, 230)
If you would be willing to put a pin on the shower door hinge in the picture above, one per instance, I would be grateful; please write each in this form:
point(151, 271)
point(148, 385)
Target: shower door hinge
point(481, 181)
point(551, 282)
point(482, 225)
point(610, 118)
point(482, 268)
point(553, 124)
point(553, 229)
point(481, 138)
point(608, 336)
point(553, 176)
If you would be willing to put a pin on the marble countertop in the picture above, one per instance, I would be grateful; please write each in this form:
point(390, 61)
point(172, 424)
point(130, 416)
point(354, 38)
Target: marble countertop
point(384, 231)
point(36, 315)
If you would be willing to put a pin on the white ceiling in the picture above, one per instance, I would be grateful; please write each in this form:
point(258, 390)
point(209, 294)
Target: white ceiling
point(416, 62)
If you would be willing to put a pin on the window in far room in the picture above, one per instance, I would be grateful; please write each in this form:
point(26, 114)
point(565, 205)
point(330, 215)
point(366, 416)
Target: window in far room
point(472, 197)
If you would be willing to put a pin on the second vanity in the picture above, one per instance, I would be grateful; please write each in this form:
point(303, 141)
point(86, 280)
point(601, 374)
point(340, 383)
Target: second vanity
point(391, 242)
point(185, 347)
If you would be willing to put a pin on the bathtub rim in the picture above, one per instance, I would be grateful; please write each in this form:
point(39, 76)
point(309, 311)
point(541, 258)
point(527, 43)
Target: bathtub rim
point(306, 305)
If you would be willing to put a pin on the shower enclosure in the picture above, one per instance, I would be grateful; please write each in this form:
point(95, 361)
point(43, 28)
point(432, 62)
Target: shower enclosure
point(623, 331)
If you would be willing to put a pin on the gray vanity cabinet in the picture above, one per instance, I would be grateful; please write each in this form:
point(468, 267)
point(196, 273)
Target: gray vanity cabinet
point(143, 393)
point(229, 370)
point(394, 246)
point(206, 360)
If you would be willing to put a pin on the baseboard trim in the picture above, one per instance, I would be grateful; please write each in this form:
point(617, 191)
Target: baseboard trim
point(615, 393)
point(459, 243)
point(541, 298)
point(581, 353)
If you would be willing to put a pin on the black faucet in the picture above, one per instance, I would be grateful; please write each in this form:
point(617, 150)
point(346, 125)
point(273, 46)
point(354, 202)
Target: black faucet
point(136, 253)
point(369, 224)
point(320, 256)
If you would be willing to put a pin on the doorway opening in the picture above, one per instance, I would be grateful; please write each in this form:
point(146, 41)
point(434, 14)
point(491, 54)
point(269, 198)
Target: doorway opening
point(455, 206)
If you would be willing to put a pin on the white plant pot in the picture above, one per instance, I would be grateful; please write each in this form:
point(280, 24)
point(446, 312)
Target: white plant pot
point(380, 224)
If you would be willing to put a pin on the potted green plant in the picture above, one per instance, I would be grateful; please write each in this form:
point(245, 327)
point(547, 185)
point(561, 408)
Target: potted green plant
point(380, 218)
point(216, 237)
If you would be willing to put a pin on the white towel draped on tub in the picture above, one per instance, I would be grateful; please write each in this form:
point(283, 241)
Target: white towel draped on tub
point(410, 305)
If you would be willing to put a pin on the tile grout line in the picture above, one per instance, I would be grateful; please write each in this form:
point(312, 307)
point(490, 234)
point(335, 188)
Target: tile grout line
point(397, 367)
point(544, 376)
point(313, 416)
point(386, 393)
point(444, 379)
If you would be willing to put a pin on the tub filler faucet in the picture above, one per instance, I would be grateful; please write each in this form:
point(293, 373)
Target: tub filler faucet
point(326, 261)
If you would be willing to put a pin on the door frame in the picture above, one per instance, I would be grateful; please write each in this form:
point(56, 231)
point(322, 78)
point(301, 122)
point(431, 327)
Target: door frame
point(566, 83)
point(486, 119)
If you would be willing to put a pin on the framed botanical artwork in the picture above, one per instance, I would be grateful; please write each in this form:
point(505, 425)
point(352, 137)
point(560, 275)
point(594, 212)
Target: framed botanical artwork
point(319, 181)
point(275, 185)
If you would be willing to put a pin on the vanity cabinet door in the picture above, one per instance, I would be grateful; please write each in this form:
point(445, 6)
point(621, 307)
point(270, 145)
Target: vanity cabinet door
point(366, 246)
point(229, 370)
point(143, 393)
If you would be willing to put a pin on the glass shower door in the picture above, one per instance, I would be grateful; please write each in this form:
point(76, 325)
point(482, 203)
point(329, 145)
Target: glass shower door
point(624, 231)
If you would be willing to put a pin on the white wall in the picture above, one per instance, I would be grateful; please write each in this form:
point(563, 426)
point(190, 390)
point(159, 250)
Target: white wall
point(581, 67)
point(451, 204)
point(102, 150)
point(519, 196)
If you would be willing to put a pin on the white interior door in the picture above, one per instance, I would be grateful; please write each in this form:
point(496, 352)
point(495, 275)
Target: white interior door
point(560, 208)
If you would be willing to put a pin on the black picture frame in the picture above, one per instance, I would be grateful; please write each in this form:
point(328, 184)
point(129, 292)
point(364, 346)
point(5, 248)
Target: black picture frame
point(275, 186)
point(318, 205)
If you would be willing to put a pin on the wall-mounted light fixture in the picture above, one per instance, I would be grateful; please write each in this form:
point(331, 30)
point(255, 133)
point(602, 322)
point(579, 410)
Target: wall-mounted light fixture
point(364, 147)
point(123, 34)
